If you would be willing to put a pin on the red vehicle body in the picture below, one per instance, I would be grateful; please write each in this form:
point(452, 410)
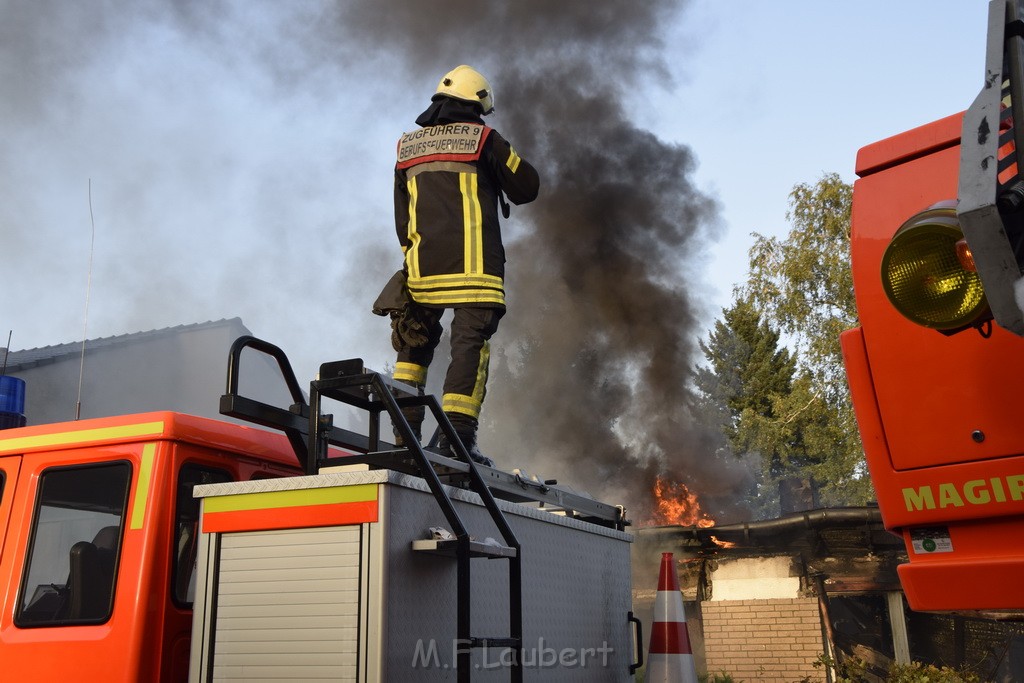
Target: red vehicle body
point(939, 415)
point(935, 368)
point(98, 538)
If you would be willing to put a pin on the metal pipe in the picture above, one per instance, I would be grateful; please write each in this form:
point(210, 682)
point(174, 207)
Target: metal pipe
point(812, 519)
point(801, 521)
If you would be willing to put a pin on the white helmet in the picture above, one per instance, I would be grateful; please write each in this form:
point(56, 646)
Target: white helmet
point(467, 84)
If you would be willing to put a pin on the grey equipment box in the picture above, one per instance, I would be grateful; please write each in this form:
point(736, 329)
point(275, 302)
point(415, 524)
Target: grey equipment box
point(316, 578)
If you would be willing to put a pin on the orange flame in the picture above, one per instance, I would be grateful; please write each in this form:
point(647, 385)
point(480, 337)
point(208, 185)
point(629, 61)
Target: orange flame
point(676, 504)
point(722, 544)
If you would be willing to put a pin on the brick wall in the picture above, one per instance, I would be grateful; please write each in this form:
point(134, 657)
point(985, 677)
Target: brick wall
point(763, 640)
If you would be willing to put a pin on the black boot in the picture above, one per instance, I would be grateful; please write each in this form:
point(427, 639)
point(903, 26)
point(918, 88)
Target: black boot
point(400, 441)
point(469, 441)
point(414, 416)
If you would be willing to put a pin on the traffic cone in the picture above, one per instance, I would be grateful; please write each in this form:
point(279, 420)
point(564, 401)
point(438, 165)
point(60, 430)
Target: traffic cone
point(670, 658)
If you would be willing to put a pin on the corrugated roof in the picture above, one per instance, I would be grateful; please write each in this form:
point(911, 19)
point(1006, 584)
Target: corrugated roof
point(20, 360)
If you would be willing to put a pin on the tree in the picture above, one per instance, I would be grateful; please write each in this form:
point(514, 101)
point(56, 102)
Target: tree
point(747, 377)
point(802, 285)
point(747, 367)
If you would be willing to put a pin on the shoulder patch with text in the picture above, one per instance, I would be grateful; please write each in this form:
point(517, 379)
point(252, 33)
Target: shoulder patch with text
point(446, 142)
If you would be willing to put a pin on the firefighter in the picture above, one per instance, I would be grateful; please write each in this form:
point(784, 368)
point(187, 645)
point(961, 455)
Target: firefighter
point(450, 177)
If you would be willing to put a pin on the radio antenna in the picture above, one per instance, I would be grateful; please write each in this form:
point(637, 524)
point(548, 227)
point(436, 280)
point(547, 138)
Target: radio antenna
point(7, 352)
point(85, 324)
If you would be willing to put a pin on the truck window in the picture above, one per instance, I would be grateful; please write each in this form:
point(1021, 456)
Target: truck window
point(186, 525)
point(75, 540)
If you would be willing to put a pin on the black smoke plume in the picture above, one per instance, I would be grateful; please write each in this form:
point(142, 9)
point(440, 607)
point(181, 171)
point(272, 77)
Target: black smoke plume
point(591, 370)
point(240, 156)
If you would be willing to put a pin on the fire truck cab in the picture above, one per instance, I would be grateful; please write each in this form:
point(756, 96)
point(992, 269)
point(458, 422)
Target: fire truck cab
point(98, 540)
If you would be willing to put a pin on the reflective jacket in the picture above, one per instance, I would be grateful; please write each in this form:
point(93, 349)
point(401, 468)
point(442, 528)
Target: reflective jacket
point(447, 183)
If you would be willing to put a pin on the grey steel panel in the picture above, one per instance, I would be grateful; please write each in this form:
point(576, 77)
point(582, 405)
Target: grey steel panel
point(576, 585)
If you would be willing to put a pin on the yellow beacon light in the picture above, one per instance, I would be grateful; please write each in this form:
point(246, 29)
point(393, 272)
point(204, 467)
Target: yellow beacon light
point(926, 273)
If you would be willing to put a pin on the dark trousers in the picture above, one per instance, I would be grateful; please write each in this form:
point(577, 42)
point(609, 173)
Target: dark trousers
point(465, 385)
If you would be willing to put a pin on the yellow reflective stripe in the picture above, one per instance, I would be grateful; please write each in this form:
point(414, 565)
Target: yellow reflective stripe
point(480, 388)
point(513, 160)
point(460, 403)
point(269, 500)
point(444, 281)
point(461, 296)
point(143, 486)
point(467, 247)
point(472, 224)
point(80, 437)
point(410, 372)
point(470, 405)
point(412, 253)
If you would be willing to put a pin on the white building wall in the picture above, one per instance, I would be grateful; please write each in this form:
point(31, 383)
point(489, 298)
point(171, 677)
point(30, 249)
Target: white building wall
point(754, 578)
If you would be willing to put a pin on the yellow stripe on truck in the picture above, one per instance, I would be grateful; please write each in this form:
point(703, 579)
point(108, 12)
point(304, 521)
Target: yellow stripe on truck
point(76, 438)
point(266, 500)
point(143, 486)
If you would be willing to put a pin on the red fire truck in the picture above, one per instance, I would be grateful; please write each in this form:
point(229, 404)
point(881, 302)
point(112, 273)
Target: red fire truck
point(937, 364)
point(112, 570)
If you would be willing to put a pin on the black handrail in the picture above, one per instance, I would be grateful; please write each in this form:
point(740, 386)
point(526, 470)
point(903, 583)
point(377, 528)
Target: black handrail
point(293, 421)
point(638, 634)
point(235, 357)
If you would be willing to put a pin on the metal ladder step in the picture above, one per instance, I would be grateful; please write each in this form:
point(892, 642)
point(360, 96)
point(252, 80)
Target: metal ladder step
point(450, 548)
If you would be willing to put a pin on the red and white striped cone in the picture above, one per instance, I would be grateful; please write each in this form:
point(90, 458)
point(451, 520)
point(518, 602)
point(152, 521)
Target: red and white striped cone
point(670, 658)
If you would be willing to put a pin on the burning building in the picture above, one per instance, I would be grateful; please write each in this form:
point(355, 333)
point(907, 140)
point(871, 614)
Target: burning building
point(766, 600)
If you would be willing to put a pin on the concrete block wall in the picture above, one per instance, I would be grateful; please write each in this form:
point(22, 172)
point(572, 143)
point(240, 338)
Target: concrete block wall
point(772, 640)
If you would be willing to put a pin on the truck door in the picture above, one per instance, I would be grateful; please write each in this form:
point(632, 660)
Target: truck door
point(9, 466)
point(71, 561)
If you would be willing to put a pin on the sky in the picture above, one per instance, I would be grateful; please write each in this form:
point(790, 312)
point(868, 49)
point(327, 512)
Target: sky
point(170, 163)
point(771, 95)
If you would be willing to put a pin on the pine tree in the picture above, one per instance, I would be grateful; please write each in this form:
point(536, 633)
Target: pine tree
point(748, 375)
point(789, 407)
